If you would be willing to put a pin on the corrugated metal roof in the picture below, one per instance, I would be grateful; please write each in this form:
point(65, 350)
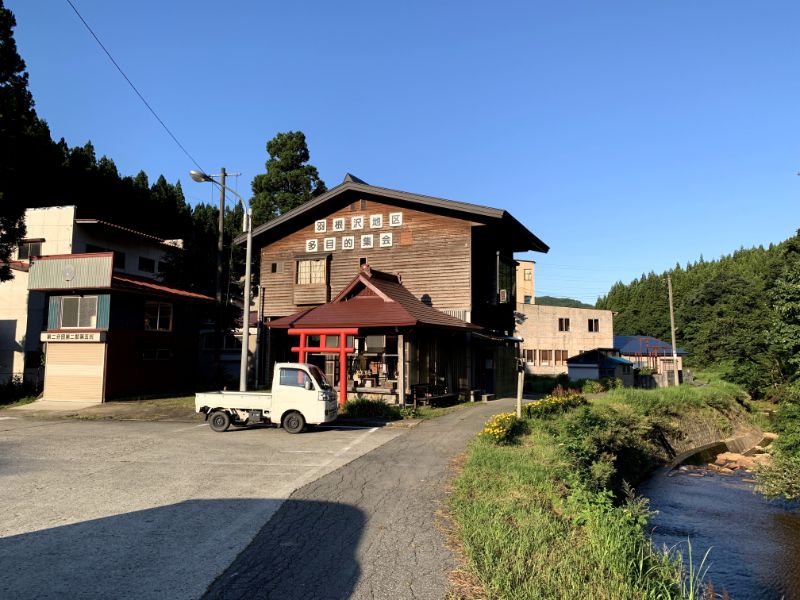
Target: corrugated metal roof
point(644, 345)
point(120, 281)
point(373, 299)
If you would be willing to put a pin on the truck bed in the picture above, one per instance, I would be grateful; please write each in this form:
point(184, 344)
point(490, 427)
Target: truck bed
point(230, 399)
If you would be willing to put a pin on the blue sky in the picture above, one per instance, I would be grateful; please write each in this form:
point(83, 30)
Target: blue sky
point(627, 135)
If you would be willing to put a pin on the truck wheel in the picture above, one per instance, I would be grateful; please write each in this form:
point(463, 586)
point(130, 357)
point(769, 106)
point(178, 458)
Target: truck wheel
point(294, 422)
point(219, 421)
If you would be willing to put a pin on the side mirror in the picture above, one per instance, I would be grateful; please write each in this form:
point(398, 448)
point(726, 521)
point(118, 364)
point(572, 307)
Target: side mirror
point(308, 385)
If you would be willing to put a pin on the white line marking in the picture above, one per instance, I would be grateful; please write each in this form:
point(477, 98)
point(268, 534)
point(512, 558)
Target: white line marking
point(188, 428)
point(6, 418)
point(305, 452)
point(345, 427)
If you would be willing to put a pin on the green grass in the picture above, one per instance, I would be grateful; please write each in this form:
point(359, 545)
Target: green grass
point(552, 516)
point(18, 402)
point(527, 533)
point(432, 412)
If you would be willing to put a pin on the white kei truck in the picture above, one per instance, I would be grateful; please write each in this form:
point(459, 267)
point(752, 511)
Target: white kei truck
point(300, 396)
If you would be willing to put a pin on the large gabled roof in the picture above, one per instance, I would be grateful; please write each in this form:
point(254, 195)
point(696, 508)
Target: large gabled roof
point(352, 185)
point(373, 299)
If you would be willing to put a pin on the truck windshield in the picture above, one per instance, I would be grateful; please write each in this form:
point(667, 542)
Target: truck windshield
point(319, 377)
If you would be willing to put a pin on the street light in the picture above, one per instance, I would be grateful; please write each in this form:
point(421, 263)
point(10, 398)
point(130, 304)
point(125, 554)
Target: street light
point(247, 227)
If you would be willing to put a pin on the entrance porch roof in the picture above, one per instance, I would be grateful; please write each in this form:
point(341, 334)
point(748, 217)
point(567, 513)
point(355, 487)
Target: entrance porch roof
point(373, 299)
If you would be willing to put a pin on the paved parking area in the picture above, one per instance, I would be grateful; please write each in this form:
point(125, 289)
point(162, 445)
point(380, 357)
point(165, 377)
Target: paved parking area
point(109, 509)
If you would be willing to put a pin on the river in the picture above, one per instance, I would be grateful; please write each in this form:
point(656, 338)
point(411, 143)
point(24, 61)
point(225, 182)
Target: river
point(755, 542)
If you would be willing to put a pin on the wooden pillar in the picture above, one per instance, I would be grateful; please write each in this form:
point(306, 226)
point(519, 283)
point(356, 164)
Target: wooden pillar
point(401, 370)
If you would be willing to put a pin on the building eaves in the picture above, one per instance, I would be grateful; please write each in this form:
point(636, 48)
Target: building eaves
point(87, 221)
point(476, 210)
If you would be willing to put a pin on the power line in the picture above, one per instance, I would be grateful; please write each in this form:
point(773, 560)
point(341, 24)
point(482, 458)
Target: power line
point(147, 104)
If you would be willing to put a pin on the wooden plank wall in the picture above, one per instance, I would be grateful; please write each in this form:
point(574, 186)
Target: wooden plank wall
point(431, 252)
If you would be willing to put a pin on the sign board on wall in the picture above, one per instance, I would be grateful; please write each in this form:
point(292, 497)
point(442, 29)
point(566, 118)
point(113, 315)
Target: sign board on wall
point(73, 336)
point(357, 223)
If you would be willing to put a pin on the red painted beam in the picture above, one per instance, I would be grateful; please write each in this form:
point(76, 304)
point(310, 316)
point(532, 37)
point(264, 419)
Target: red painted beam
point(332, 331)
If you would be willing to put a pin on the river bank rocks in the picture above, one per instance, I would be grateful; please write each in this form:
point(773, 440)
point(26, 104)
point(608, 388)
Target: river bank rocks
point(728, 462)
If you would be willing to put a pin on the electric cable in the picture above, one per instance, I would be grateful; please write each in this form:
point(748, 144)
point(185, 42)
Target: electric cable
point(138, 93)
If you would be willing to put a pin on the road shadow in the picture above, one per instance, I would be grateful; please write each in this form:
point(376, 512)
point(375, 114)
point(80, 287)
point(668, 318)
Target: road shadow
point(307, 550)
point(176, 551)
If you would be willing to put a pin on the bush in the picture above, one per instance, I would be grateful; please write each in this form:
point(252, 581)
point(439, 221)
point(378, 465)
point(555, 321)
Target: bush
point(539, 384)
point(591, 386)
point(15, 389)
point(554, 403)
point(782, 477)
point(361, 408)
point(611, 383)
point(501, 428)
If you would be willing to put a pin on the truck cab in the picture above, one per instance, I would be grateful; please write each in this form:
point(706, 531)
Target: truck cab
point(300, 396)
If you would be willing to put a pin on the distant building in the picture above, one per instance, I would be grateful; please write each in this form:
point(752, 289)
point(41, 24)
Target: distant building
point(552, 334)
point(600, 363)
point(647, 352)
point(526, 290)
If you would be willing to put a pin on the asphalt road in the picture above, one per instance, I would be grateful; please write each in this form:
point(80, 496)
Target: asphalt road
point(366, 530)
point(146, 510)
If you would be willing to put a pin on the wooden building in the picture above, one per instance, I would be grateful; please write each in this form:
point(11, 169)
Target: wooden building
point(453, 257)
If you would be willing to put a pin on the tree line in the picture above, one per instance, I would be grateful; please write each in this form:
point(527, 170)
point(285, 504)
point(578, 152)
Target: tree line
point(37, 171)
point(739, 314)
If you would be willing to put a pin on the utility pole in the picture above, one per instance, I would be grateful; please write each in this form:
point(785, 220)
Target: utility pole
point(520, 385)
point(222, 174)
point(218, 337)
point(672, 325)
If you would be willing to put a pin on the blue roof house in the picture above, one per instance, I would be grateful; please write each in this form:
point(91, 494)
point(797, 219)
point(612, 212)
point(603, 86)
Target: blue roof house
point(648, 352)
point(599, 363)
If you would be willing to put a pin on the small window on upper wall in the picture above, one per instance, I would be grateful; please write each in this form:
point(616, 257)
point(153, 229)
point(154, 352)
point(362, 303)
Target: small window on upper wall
point(527, 299)
point(157, 316)
point(594, 325)
point(563, 324)
point(147, 265)
point(273, 268)
point(527, 274)
point(311, 271)
point(29, 249)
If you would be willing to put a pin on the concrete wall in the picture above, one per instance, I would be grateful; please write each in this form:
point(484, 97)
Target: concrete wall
point(131, 248)
point(22, 312)
point(538, 327)
point(526, 287)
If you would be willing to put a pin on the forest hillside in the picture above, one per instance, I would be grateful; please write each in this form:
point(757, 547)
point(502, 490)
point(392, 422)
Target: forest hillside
point(739, 314)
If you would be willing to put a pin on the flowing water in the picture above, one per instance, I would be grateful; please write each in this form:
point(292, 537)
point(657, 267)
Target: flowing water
point(755, 542)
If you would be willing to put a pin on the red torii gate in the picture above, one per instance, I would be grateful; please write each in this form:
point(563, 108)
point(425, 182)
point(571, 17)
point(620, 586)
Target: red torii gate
point(342, 350)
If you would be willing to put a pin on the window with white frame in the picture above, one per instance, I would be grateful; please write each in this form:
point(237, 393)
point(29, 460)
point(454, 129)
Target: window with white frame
point(79, 312)
point(157, 316)
point(310, 272)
